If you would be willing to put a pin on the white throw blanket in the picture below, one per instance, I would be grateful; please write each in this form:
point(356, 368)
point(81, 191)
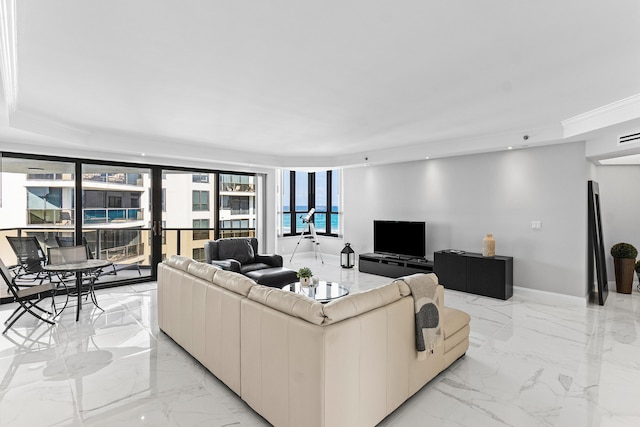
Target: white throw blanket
point(427, 316)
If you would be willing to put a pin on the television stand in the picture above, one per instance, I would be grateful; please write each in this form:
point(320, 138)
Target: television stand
point(393, 266)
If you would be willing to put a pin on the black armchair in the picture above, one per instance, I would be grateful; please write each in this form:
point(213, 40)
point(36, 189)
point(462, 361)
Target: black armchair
point(239, 255)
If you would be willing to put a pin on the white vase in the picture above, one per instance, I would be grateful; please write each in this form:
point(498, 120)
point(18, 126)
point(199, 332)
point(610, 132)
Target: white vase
point(304, 281)
point(488, 246)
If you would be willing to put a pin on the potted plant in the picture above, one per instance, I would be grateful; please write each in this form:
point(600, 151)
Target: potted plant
point(304, 274)
point(624, 261)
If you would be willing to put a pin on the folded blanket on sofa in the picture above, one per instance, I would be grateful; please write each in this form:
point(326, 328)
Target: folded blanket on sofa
point(427, 316)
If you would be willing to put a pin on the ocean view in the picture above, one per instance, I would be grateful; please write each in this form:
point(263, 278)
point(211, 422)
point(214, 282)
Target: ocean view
point(319, 220)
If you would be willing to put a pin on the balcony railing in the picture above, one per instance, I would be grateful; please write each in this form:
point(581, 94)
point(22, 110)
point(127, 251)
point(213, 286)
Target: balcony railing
point(114, 178)
point(109, 215)
point(123, 245)
point(237, 188)
point(122, 253)
point(50, 216)
point(91, 216)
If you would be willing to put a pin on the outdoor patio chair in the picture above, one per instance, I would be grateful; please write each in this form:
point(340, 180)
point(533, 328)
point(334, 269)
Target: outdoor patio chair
point(30, 258)
point(113, 269)
point(28, 299)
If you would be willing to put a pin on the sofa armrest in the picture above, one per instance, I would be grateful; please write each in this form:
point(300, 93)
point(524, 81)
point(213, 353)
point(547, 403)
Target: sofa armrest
point(227, 264)
point(271, 259)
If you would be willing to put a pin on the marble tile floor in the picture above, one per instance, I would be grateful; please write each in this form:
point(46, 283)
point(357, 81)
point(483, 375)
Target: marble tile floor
point(530, 363)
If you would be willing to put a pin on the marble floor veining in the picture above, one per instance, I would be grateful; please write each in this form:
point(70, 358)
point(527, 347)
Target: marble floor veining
point(530, 363)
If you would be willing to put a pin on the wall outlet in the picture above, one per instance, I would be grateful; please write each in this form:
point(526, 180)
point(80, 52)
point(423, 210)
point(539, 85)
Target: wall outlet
point(536, 225)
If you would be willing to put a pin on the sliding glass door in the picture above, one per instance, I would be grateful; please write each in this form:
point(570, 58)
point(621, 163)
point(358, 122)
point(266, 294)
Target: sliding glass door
point(117, 218)
point(38, 200)
point(201, 205)
point(132, 215)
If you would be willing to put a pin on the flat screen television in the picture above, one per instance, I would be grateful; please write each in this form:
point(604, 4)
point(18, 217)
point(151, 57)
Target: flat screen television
point(400, 238)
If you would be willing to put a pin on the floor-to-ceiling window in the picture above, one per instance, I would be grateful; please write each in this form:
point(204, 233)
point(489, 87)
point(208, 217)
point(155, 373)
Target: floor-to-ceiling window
point(237, 212)
point(134, 215)
point(302, 191)
point(38, 200)
point(117, 216)
point(202, 205)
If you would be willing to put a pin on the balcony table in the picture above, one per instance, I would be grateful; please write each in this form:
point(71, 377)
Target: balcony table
point(77, 267)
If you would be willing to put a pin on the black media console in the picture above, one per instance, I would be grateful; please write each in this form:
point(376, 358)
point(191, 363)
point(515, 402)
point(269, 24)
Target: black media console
point(473, 273)
point(393, 266)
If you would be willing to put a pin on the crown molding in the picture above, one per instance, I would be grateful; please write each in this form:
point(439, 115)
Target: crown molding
point(607, 115)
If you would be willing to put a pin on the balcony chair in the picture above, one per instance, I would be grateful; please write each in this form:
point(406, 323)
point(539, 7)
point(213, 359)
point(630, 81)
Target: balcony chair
point(28, 299)
point(65, 242)
point(65, 254)
point(70, 241)
point(30, 258)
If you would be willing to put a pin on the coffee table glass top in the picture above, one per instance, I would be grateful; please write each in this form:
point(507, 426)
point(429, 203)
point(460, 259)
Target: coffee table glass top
point(323, 291)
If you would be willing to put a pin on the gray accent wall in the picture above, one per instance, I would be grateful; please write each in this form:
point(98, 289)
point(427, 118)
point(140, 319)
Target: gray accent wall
point(463, 198)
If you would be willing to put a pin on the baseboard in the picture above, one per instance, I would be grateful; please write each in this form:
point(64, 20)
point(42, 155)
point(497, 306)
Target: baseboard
point(550, 297)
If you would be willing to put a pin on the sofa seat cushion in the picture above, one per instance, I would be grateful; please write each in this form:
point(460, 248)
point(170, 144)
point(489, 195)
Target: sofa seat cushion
point(358, 303)
point(275, 277)
point(238, 249)
point(248, 268)
point(291, 303)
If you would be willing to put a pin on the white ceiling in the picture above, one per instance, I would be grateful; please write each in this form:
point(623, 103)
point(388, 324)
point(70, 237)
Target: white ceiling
point(313, 83)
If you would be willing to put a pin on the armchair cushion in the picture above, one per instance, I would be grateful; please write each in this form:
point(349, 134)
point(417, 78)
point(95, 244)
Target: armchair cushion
point(271, 260)
point(238, 249)
point(253, 267)
point(227, 264)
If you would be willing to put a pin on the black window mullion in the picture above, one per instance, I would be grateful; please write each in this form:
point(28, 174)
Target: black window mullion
point(311, 190)
point(292, 202)
point(216, 212)
point(329, 202)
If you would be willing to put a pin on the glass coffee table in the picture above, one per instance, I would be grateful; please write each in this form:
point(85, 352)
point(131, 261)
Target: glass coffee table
point(322, 291)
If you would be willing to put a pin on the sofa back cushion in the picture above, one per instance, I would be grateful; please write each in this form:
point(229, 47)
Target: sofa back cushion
point(179, 262)
point(203, 271)
point(235, 282)
point(238, 249)
point(355, 304)
point(291, 303)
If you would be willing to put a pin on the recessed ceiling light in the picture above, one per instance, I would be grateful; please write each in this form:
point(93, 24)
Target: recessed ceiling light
point(142, 154)
point(427, 158)
point(509, 148)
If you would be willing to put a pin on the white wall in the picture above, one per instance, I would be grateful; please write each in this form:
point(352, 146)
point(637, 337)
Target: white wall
point(463, 198)
point(269, 244)
point(619, 207)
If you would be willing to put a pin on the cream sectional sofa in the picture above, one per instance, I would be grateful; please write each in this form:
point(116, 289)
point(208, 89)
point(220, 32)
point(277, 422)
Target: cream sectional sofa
point(297, 362)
